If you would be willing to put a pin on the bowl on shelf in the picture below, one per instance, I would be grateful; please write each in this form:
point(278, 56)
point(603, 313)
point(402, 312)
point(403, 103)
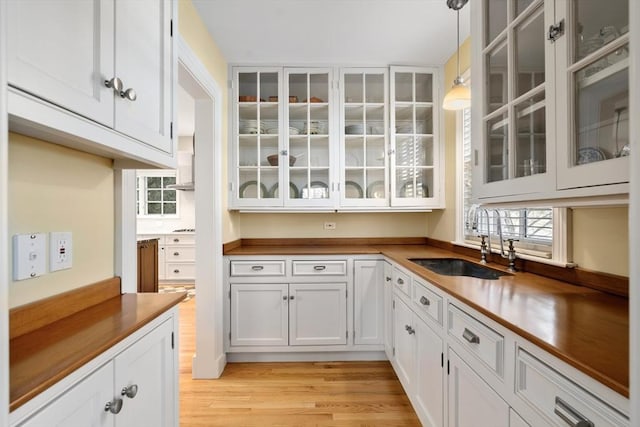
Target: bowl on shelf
point(273, 159)
point(293, 99)
point(247, 98)
point(273, 98)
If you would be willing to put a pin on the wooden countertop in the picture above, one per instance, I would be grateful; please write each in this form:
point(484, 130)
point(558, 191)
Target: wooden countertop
point(586, 328)
point(40, 358)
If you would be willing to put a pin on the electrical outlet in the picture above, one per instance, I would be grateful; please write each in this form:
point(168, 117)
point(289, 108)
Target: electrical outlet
point(329, 225)
point(29, 252)
point(60, 250)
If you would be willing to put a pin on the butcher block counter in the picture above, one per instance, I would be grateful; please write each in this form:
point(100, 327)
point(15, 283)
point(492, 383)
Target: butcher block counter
point(586, 328)
point(52, 338)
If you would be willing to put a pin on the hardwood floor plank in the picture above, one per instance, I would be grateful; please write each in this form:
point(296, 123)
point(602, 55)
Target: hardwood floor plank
point(335, 394)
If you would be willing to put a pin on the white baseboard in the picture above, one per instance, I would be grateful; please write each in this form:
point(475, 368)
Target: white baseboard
point(307, 357)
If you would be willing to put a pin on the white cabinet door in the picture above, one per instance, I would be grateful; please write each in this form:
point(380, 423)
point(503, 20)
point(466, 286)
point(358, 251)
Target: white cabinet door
point(429, 375)
point(143, 57)
point(516, 420)
point(81, 406)
point(403, 344)
point(369, 302)
point(388, 310)
point(317, 314)
point(259, 314)
point(471, 400)
point(145, 382)
point(62, 51)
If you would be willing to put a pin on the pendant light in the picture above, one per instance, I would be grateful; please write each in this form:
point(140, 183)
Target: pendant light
point(459, 96)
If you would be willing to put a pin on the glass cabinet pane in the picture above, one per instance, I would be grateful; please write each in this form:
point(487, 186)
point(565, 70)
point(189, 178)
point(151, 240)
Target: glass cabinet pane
point(353, 88)
point(598, 23)
point(498, 148)
point(496, 18)
point(530, 54)
point(531, 149)
point(601, 112)
point(497, 81)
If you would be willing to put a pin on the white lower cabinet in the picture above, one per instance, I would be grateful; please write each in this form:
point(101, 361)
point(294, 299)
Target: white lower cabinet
point(418, 362)
point(471, 402)
point(516, 420)
point(368, 288)
point(388, 310)
point(137, 387)
point(276, 314)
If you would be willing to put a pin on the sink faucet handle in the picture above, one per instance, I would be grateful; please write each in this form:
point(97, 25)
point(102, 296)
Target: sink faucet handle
point(483, 248)
point(511, 255)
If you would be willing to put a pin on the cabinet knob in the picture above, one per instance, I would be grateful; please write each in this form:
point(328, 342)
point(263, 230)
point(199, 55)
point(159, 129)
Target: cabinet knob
point(292, 297)
point(176, 254)
point(409, 329)
point(400, 281)
point(130, 391)
point(388, 279)
point(176, 271)
point(284, 297)
point(424, 300)
point(115, 406)
point(129, 94)
point(115, 84)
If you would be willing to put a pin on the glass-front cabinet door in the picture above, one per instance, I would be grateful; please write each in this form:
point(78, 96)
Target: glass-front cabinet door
point(415, 159)
point(593, 82)
point(258, 137)
point(512, 98)
point(363, 137)
point(308, 121)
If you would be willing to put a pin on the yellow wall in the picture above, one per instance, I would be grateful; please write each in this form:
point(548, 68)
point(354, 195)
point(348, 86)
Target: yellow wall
point(443, 222)
point(196, 35)
point(347, 225)
point(601, 239)
point(53, 188)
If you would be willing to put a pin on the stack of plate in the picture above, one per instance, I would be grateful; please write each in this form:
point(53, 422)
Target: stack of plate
point(354, 129)
point(252, 127)
point(294, 131)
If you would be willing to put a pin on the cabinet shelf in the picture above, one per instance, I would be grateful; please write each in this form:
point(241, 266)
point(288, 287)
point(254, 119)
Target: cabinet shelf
point(603, 74)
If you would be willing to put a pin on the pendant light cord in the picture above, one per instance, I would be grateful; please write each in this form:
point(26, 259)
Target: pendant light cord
point(458, 41)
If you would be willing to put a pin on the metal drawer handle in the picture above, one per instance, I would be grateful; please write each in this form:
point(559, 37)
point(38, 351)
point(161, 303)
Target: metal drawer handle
point(570, 415)
point(257, 267)
point(424, 300)
point(130, 391)
point(115, 406)
point(319, 267)
point(176, 240)
point(400, 281)
point(176, 271)
point(388, 279)
point(470, 336)
point(176, 254)
point(409, 329)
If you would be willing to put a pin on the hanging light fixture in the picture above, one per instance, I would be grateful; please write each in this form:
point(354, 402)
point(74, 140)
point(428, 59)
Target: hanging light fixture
point(459, 96)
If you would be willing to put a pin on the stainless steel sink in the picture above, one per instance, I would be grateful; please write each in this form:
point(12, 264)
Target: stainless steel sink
point(458, 267)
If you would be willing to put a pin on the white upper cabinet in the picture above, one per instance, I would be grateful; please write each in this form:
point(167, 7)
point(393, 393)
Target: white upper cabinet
point(94, 75)
point(323, 134)
point(416, 165)
point(550, 111)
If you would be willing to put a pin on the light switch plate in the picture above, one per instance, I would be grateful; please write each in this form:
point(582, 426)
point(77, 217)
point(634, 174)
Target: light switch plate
point(29, 255)
point(60, 250)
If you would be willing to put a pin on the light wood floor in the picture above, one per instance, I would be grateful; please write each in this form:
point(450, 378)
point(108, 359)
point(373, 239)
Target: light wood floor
point(289, 394)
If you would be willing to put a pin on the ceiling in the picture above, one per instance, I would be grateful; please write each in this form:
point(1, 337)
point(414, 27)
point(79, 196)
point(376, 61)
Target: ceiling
point(349, 32)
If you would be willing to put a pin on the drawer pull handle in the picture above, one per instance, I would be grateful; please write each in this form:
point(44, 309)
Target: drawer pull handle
point(424, 300)
point(176, 240)
point(319, 267)
point(257, 267)
point(176, 254)
point(176, 271)
point(388, 279)
point(470, 336)
point(409, 329)
point(570, 415)
point(130, 391)
point(400, 281)
point(115, 406)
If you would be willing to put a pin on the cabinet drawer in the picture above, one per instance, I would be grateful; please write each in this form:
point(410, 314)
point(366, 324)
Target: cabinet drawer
point(320, 268)
point(180, 239)
point(180, 253)
point(180, 271)
point(257, 268)
point(402, 281)
point(427, 301)
point(558, 399)
point(482, 341)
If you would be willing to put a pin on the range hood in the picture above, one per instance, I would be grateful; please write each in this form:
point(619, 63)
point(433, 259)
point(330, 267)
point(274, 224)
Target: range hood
point(186, 169)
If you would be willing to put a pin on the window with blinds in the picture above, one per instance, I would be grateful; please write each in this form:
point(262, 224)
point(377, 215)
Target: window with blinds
point(532, 227)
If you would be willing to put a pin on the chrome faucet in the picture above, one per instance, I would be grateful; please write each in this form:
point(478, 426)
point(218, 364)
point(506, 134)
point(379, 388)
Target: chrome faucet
point(511, 252)
point(485, 245)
